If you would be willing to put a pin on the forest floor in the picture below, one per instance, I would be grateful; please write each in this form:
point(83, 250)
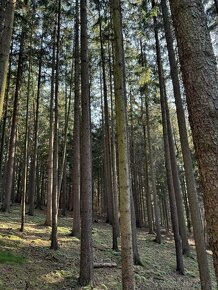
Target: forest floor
point(26, 262)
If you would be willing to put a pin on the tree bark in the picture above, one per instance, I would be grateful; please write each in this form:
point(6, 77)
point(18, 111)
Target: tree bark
point(12, 141)
point(153, 179)
point(5, 42)
point(51, 139)
point(54, 240)
point(124, 174)
point(189, 175)
point(33, 182)
point(199, 72)
point(76, 133)
point(86, 251)
point(173, 208)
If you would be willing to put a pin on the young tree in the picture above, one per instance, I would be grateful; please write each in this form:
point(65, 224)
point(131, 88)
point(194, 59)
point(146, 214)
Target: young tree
point(199, 72)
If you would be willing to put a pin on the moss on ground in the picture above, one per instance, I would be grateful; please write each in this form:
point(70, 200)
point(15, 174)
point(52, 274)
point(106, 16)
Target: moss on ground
point(26, 261)
point(11, 258)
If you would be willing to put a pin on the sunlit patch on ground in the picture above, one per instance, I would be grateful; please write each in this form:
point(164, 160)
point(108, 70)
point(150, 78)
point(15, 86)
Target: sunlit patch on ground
point(26, 261)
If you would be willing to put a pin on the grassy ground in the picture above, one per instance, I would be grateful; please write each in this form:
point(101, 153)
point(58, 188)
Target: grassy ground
point(26, 262)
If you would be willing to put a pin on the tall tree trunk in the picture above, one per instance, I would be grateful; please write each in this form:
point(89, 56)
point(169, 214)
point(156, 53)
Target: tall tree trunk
point(200, 80)
point(86, 251)
point(54, 240)
point(12, 141)
point(173, 207)
point(33, 183)
point(108, 163)
point(5, 42)
point(177, 188)
point(124, 174)
point(4, 124)
point(51, 138)
point(153, 179)
point(189, 175)
point(147, 187)
point(76, 133)
point(26, 145)
point(113, 161)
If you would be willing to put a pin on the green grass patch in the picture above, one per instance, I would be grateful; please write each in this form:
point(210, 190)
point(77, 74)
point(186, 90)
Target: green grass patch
point(10, 258)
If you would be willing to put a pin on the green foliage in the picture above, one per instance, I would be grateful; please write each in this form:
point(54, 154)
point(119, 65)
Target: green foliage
point(11, 258)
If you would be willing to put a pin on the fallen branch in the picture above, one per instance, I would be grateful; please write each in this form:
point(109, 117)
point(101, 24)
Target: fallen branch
point(104, 265)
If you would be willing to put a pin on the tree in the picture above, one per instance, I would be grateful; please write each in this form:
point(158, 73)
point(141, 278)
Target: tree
point(5, 41)
point(123, 168)
point(54, 241)
point(86, 252)
point(8, 176)
point(76, 132)
point(198, 67)
point(168, 163)
point(190, 182)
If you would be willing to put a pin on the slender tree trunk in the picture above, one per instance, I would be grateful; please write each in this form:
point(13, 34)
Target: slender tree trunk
point(189, 175)
point(113, 162)
point(5, 42)
point(12, 141)
point(124, 175)
point(200, 80)
point(4, 124)
point(67, 116)
point(76, 133)
point(177, 188)
point(54, 240)
point(33, 183)
point(108, 165)
point(153, 179)
point(147, 188)
point(64, 191)
point(86, 251)
point(173, 208)
point(51, 139)
point(26, 144)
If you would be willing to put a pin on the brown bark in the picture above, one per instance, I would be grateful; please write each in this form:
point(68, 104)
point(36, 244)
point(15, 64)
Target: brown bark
point(5, 42)
point(153, 179)
point(33, 181)
point(51, 139)
point(12, 141)
point(189, 175)
point(173, 207)
point(86, 251)
point(76, 133)
point(54, 240)
point(177, 188)
point(26, 145)
point(199, 71)
point(123, 152)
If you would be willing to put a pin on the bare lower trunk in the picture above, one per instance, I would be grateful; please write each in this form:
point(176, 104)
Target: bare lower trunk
point(189, 175)
point(199, 71)
point(122, 136)
point(76, 134)
point(173, 208)
point(86, 251)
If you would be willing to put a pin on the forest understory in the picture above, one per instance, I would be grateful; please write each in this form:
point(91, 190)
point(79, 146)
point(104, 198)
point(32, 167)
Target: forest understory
point(27, 262)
